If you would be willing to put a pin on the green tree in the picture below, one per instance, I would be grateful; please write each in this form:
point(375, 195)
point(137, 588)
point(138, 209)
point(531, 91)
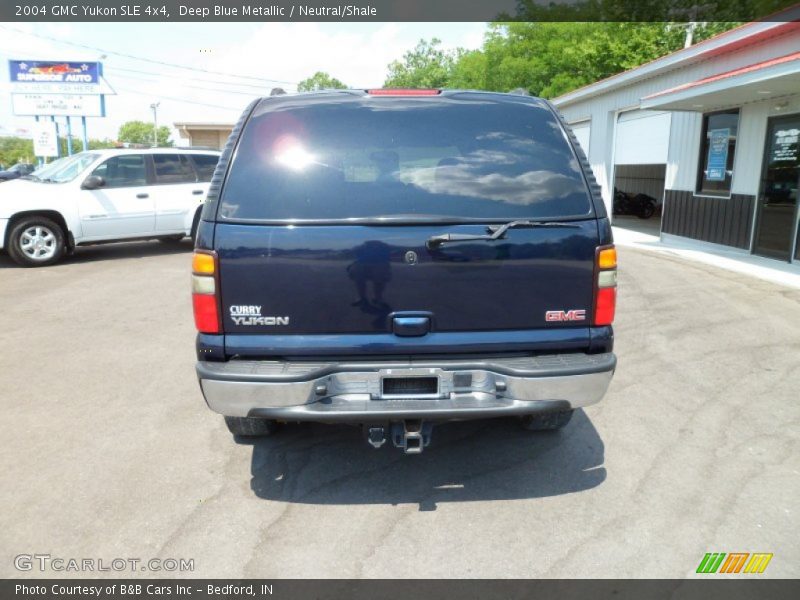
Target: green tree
point(139, 132)
point(547, 59)
point(77, 144)
point(15, 149)
point(320, 81)
point(427, 65)
point(550, 59)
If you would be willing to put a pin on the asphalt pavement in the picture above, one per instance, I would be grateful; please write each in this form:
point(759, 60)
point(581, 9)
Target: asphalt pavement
point(110, 452)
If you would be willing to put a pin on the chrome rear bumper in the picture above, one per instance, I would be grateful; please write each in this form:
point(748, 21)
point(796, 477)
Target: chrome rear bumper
point(354, 391)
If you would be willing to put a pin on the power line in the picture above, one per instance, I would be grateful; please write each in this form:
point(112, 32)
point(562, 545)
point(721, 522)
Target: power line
point(107, 66)
point(143, 59)
point(198, 87)
point(183, 100)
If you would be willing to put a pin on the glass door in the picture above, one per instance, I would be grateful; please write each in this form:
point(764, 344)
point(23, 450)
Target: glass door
point(776, 225)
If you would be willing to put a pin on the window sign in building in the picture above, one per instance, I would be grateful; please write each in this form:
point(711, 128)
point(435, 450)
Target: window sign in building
point(785, 146)
point(717, 154)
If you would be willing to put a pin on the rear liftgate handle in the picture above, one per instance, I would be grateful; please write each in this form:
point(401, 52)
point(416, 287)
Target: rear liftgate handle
point(411, 326)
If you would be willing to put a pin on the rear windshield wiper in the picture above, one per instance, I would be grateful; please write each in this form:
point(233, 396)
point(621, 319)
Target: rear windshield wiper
point(496, 232)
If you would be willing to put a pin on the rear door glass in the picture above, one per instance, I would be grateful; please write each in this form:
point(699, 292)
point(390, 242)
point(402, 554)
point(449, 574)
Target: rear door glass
point(173, 168)
point(462, 156)
point(204, 164)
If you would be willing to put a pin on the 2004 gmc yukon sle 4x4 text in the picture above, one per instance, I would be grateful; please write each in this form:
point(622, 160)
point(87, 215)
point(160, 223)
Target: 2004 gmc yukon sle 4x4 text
point(397, 258)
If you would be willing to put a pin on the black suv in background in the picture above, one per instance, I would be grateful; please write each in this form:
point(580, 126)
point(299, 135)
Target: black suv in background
point(395, 258)
point(16, 171)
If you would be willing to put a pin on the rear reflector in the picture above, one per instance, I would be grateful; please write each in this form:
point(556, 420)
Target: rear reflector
point(605, 306)
point(205, 313)
point(402, 92)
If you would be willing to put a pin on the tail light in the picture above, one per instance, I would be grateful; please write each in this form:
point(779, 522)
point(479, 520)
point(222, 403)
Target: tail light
point(605, 302)
point(205, 300)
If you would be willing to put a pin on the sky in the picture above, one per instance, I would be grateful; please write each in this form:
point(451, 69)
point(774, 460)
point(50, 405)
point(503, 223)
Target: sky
point(355, 53)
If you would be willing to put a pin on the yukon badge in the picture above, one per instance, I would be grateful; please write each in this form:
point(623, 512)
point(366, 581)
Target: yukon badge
point(565, 315)
point(251, 315)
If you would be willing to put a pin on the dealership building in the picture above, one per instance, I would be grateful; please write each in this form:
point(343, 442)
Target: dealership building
point(206, 135)
point(711, 132)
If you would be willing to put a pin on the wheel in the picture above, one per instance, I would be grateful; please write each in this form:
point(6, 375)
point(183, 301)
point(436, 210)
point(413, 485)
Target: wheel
point(195, 224)
point(36, 242)
point(173, 239)
point(648, 210)
point(249, 427)
point(547, 421)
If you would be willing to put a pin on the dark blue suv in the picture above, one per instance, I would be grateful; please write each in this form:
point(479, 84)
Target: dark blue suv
point(397, 258)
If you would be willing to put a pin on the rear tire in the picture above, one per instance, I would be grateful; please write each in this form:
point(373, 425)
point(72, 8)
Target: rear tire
point(195, 225)
point(547, 421)
point(36, 242)
point(250, 427)
point(647, 211)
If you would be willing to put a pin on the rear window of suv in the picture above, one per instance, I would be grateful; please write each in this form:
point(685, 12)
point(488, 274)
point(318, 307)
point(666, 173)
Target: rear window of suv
point(464, 155)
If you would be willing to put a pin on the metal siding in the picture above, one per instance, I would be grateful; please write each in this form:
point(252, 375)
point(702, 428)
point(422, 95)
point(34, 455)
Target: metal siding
point(583, 132)
point(685, 129)
point(725, 221)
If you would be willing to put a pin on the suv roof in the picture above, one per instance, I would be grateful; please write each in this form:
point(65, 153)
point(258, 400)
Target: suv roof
point(116, 151)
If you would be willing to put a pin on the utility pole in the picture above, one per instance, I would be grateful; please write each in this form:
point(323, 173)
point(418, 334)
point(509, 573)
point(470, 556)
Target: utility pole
point(154, 106)
point(689, 34)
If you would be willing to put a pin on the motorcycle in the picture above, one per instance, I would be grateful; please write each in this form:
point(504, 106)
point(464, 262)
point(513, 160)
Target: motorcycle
point(641, 205)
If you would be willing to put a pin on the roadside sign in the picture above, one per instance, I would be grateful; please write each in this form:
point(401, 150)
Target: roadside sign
point(45, 140)
point(59, 105)
point(32, 71)
point(57, 77)
point(58, 88)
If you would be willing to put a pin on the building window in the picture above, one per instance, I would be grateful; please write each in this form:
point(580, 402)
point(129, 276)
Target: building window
point(717, 152)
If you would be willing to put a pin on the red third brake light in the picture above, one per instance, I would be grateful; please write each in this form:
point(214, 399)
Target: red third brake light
point(402, 92)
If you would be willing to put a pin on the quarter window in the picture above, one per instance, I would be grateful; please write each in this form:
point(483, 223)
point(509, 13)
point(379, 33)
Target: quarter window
point(173, 168)
point(717, 152)
point(123, 171)
point(205, 165)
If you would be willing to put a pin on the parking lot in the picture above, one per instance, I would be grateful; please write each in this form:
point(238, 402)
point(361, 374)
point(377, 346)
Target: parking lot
point(109, 450)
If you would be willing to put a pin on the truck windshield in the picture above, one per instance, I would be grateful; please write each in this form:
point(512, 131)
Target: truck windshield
point(64, 169)
point(464, 155)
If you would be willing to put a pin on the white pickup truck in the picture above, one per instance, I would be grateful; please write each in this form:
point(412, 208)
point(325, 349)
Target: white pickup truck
point(103, 196)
